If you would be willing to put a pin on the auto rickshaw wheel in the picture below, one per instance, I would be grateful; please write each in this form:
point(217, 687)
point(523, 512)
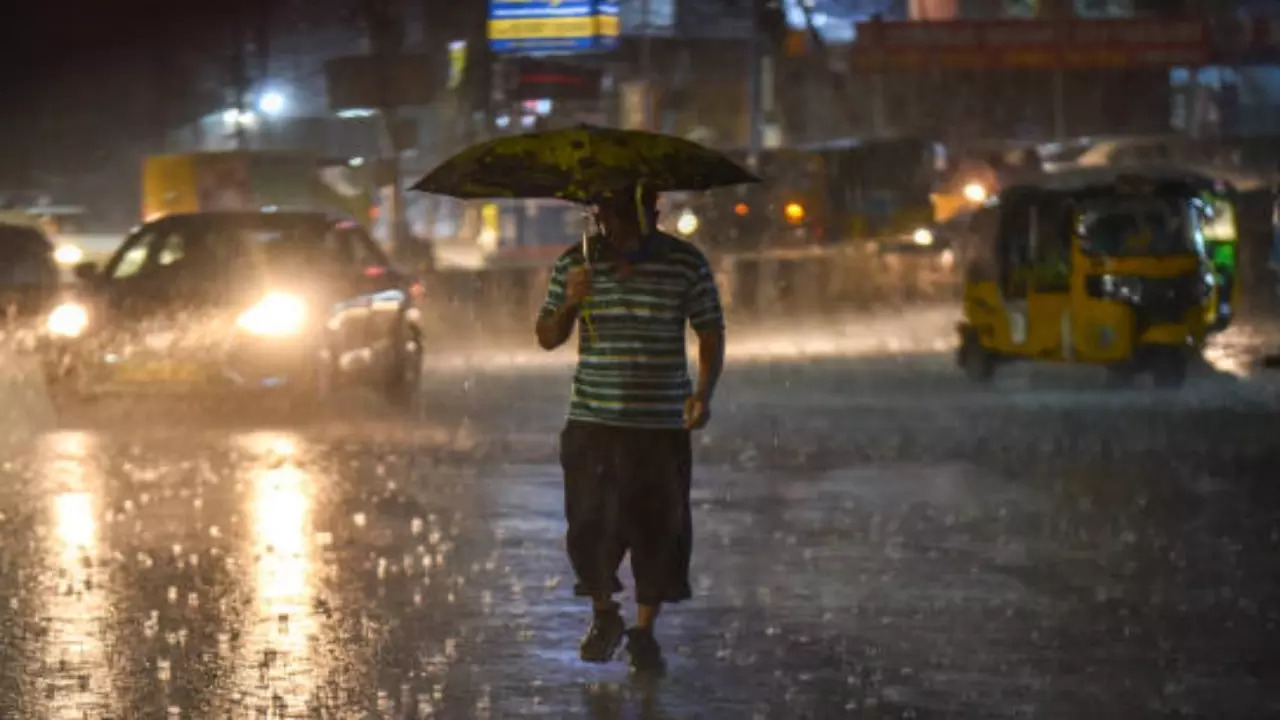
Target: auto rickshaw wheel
point(977, 362)
point(1169, 370)
point(1121, 376)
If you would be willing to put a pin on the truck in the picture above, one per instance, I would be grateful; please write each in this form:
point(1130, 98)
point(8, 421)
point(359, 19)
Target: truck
point(254, 179)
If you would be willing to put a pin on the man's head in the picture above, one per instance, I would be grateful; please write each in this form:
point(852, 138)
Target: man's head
point(627, 213)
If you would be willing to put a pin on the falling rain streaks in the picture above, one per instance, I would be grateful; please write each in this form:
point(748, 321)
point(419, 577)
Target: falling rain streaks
point(874, 539)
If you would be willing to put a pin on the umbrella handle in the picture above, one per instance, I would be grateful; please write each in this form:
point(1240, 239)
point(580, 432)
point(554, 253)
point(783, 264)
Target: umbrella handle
point(591, 327)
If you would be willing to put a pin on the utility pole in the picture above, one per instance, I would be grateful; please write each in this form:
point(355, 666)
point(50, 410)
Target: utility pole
point(386, 36)
point(646, 62)
point(268, 133)
point(817, 62)
point(264, 40)
point(478, 72)
point(755, 89)
point(161, 83)
point(239, 78)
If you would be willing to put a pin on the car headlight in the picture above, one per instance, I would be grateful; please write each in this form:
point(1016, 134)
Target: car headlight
point(688, 223)
point(922, 237)
point(277, 314)
point(947, 259)
point(68, 320)
point(68, 255)
point(975, 193)
point(1120, 287)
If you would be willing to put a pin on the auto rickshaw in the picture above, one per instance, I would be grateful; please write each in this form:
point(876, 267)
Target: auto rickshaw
point(1095, 267)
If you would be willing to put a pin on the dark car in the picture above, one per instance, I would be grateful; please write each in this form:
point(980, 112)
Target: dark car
point(28, 273)
point(290, 302)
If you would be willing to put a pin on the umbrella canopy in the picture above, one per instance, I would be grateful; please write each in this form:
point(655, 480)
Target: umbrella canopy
point(580, 164)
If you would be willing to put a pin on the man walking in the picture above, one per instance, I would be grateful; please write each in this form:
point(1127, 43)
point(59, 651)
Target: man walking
point(626, 450)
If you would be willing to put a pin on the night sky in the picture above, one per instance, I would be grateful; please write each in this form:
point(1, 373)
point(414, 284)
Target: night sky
point(83, 77)
point(90, 86)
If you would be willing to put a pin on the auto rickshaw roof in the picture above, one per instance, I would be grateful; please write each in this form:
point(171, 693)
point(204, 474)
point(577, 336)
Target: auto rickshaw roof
point(1155, 179)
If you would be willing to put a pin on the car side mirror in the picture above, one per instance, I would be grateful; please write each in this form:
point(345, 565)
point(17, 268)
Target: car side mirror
point(86, 272)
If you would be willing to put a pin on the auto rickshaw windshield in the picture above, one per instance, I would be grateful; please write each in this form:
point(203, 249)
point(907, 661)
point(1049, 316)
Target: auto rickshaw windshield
point(1143, 226)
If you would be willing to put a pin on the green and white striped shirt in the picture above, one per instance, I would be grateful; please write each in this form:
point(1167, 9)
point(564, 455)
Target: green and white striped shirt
point(632, 361)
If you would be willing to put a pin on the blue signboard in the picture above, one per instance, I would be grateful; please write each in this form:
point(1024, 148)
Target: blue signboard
point(548, 27)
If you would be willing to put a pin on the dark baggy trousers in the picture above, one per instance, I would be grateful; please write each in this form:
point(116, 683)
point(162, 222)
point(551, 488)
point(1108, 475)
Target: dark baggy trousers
point(627, 489)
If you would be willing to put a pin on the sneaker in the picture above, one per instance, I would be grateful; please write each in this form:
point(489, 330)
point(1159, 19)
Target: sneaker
point(644, 652)
point(603, 638)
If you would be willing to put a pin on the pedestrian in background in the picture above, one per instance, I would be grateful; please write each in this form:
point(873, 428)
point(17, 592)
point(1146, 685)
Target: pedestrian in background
point(625, 449)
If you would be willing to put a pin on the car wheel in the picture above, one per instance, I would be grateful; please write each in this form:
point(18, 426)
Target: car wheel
point(404, 386)
point(315, 392)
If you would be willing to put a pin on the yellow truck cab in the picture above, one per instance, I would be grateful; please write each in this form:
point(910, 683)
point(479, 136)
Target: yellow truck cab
point(252, 180)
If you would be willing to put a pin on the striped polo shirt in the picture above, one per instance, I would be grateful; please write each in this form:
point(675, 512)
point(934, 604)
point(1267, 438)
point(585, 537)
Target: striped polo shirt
point(632, 361)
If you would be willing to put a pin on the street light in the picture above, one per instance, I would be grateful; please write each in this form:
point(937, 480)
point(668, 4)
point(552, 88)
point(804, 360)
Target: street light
point(272, 103)
point(238, 119)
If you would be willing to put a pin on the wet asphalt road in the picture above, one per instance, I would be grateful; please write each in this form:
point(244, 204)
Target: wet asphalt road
point(875, 538)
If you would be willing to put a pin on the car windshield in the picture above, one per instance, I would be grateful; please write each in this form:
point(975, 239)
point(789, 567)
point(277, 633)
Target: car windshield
point(1125, 226)
point(211, 248)
point(276, 240)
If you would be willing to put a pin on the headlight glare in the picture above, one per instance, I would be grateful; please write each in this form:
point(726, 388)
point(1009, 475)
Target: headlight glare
point(687, 224)
point(1122, 287)
point(68, 320)
point(68, 255)
point(974, 192)
point(947, 259)
point(277, 314)
point(794, 212)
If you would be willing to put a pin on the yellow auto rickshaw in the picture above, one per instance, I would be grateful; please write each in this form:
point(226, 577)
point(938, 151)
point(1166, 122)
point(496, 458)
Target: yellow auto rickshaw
point(1095, 267)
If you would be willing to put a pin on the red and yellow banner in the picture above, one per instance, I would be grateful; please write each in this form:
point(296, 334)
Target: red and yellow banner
point(1032, 44)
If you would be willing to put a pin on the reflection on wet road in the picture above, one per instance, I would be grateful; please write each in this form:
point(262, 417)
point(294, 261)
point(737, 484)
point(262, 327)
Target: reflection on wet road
point(911, 561)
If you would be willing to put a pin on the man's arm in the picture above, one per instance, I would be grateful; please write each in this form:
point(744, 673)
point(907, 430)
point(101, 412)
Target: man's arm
point(707, 319)
point(559, 312)
point(554, 329)
point(710, 362)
